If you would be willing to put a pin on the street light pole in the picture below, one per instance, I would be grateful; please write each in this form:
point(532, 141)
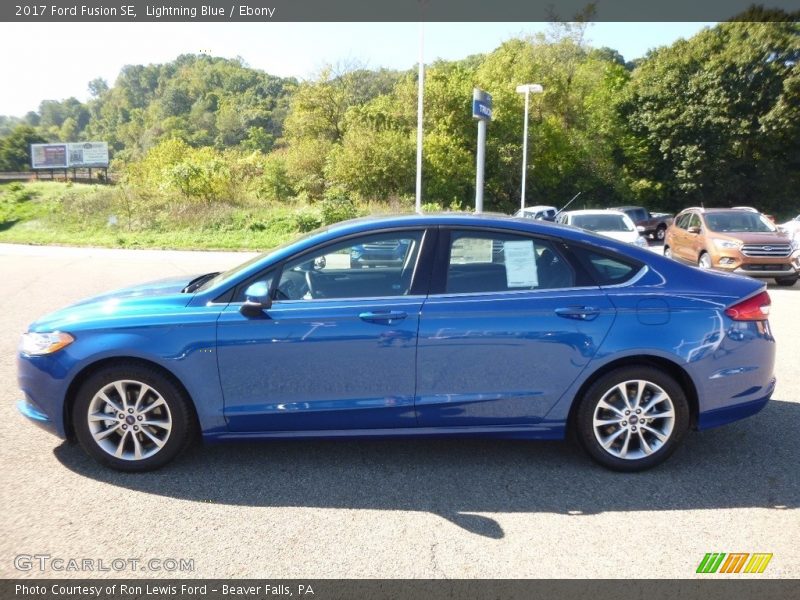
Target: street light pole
point(527, 90)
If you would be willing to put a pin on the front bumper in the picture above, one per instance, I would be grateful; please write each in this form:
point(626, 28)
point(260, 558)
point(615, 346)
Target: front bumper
point(37, 417)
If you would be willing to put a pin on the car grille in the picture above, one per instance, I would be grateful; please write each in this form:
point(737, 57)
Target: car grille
point(767, 267)
point(767, 250)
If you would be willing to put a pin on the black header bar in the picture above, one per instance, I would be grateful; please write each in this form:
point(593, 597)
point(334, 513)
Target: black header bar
point(383, 10)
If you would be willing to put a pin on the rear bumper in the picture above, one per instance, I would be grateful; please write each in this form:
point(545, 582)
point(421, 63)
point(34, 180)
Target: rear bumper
point(736, 412)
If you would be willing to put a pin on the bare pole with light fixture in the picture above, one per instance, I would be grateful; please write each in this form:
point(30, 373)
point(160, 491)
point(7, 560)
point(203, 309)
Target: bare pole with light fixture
point(527, 89)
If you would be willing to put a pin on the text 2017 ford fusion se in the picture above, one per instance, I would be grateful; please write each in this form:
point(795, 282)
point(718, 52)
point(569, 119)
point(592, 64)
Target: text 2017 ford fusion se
point(488, 326)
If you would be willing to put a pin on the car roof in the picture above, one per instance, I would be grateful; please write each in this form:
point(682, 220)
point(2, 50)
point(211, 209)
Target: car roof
point(594, 211)
point(538, 207)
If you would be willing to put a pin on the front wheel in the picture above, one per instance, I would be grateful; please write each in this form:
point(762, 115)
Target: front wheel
point(632, 418)
point(786, 281)
point(704, 262)
point(667, 251)
point(131, 417)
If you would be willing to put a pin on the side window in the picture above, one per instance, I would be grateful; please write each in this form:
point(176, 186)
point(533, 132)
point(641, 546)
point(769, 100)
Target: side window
point(364, 267)
point(694, 221)
point(682, 221)
point(608, 270)
point(501, 262)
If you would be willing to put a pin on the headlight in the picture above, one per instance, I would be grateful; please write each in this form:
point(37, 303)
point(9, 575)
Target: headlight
point(727, 244)
point(37, 344)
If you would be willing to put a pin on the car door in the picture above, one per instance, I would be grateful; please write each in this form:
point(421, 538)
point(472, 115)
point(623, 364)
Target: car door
point(680, 242)
point(337, 348)
point(510, 323)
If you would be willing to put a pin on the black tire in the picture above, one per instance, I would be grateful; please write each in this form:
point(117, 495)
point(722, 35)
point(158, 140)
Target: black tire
point(638, 460)
point(709, 263)
point(178, 413)
point(786, 281)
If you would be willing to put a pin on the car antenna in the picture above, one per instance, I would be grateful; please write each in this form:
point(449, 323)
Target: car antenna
point(570, 202)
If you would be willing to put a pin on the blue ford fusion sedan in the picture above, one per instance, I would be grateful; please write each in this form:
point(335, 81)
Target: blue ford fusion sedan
point(487, 326)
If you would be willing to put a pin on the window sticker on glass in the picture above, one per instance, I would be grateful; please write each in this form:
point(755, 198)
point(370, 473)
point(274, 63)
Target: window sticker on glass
point(471, 250)
point(520, 264)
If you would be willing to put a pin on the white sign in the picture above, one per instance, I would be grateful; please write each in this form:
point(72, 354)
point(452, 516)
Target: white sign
point(471, 250)
point(88, 154)
point(520, 264)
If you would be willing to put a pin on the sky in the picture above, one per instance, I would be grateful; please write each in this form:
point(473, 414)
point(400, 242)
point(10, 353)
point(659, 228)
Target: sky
point(57, 60)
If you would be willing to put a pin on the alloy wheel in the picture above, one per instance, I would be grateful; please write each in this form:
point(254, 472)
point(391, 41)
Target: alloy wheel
point(633, 419)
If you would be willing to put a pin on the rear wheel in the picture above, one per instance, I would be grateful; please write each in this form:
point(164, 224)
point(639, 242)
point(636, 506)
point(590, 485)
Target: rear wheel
point(661, 233)
point(786, 281)
point(632, 418)
point(704, 262)
point(132, 418)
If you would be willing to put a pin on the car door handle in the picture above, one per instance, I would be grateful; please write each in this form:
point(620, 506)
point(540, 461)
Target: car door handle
point(581, 313)
point(383, 316)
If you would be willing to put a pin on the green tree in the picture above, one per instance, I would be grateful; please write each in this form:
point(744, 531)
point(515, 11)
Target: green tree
point(715, 119)
point(15, 149)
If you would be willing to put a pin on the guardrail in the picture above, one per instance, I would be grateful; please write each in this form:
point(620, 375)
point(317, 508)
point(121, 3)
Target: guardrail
point(77, 175)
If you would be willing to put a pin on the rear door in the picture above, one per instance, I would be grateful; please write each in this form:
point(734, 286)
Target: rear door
point(511, 322)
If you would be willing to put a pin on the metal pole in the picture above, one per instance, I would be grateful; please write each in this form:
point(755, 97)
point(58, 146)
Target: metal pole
point(479, 166)
point(420, 89)
point(525, 152)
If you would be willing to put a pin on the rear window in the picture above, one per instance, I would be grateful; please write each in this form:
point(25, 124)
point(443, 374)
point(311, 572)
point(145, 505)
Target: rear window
point(608, 269)
point(601, 222)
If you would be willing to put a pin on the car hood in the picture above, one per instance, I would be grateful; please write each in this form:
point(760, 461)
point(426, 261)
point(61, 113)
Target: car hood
point(765, 238)
point(146, 298)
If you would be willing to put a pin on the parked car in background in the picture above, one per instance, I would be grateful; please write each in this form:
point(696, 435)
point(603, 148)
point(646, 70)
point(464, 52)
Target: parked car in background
point(563, 330)
point(610, 223)
point(652, 224)
point(792, 227)
point(382, 253)
point(543, 213)
point(736, 240)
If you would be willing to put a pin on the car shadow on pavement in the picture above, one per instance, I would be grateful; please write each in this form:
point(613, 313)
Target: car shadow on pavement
point(749, 464)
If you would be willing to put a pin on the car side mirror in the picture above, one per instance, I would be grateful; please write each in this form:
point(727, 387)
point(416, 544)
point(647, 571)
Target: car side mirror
point(693, 229)
point(257, 300)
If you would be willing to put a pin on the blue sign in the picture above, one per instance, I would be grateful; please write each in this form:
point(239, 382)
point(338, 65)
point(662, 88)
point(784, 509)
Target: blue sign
point(481, 105)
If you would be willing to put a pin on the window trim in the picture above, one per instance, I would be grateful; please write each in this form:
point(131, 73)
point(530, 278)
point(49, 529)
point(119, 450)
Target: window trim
point(419, 277)
point(438, 287)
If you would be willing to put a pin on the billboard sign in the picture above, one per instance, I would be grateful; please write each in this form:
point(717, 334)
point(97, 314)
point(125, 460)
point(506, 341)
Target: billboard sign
point(88, 154)
point(64, 156)
point(49, 156)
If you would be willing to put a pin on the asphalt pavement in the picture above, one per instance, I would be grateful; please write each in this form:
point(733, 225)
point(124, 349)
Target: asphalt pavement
point(374, 509)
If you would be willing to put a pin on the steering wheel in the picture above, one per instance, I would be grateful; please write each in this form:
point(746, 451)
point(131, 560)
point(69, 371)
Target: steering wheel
point(310, 284)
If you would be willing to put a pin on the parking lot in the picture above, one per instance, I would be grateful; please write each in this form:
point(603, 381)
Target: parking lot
point(398, 508)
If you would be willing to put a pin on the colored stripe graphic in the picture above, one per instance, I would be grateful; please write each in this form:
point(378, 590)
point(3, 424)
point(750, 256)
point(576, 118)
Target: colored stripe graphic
point(758, 563)
point(734, 562)
point(710, 562)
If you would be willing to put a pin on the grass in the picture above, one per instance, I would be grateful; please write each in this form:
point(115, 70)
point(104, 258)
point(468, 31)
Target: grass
point(95, 215)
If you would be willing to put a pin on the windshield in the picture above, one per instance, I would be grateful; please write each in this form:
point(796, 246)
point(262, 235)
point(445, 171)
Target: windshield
point(740, 220)
point(608, 222)
point(231, 273)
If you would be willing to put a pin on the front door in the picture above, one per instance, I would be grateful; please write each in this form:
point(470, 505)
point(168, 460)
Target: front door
point(336, 350)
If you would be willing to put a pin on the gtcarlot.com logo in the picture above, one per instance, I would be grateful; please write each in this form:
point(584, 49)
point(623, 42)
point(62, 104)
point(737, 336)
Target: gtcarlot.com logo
point(47, 562)
point(735, 562)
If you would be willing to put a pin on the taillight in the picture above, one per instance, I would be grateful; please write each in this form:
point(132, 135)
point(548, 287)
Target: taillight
point(752, 309)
